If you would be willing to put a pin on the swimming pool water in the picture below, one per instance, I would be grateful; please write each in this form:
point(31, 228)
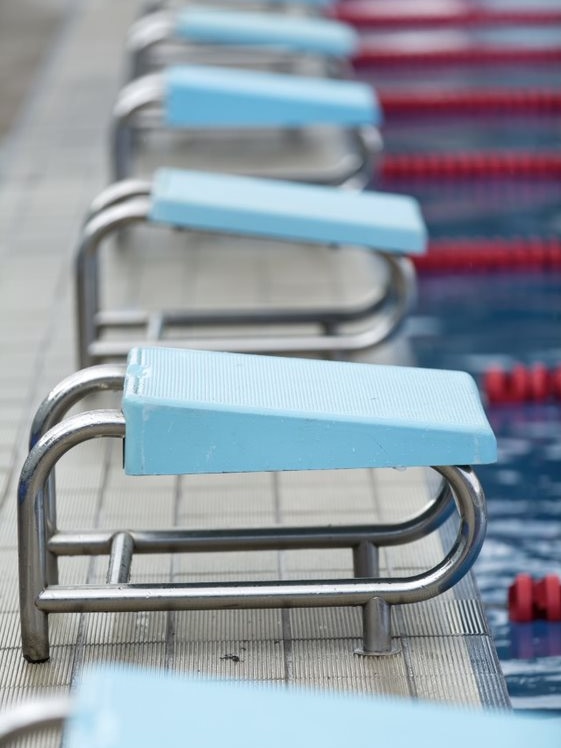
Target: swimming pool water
point(473, 320)
point(507, 318)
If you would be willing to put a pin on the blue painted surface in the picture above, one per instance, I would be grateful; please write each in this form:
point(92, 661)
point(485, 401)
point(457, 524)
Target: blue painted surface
point(199, 96)
point(292, 33)
point(207, 412)
point(275, 209)
point(121, 708)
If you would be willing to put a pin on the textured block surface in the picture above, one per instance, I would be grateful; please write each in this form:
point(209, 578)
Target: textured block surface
point(283, 210)
point(200, 96)
point(293, 33)
point(204, 412)
point(135, 708)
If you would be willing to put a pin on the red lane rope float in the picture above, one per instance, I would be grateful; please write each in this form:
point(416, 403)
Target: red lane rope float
point(522, 384)
point(529, 599)
point(375, 55)
point(521, 599)
point(498, 164)
point(547, 598)
point(452, 255)
point(399, 15)
point(487, 101)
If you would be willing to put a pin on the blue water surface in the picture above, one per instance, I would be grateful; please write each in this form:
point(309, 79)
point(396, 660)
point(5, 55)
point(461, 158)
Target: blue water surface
point(481, 319)
point(472, 320)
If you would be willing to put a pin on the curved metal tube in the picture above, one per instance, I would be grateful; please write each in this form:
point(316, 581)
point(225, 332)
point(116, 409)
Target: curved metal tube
point(118, 192)
point(140, 94)
point(369, 144)
point(70, 391)
point(25, 719)
point(87, 271)
point(146, 32)
point(32, 539)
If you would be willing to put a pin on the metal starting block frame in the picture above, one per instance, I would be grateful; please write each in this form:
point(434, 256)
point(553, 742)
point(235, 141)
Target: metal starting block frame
point(197, 99)
point(240, 38)
point(387, 226)
point(331, 415)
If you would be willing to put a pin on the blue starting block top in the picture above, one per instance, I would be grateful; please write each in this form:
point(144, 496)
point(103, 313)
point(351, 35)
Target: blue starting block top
point(283, 210)
point(136, 709)
point(292, 33)
point(201, 96)
point(189, 411)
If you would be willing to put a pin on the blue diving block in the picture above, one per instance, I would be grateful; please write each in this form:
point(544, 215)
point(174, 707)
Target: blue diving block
point(197, 412)
point(148, 707)
point(239, 38)
point(252, 111)
point(144, 708)
point(388, 226)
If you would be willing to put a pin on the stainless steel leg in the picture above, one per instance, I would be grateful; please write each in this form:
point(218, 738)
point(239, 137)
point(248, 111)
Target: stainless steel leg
point(376, 614)
point(376, 629)
point(366, 560)
point(32, 573)
point(120, 561)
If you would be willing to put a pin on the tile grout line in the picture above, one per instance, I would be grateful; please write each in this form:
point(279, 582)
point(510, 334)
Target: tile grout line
point(12, 142)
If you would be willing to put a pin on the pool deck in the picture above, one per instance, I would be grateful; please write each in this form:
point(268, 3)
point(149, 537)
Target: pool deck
point(54, 162)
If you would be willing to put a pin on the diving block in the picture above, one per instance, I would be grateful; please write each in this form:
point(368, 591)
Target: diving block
point(197, 412)
point(387, 226)
point(301, 8)
point(255, 39)
point(200, 98)
point(143, 708)
point(333, 416)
